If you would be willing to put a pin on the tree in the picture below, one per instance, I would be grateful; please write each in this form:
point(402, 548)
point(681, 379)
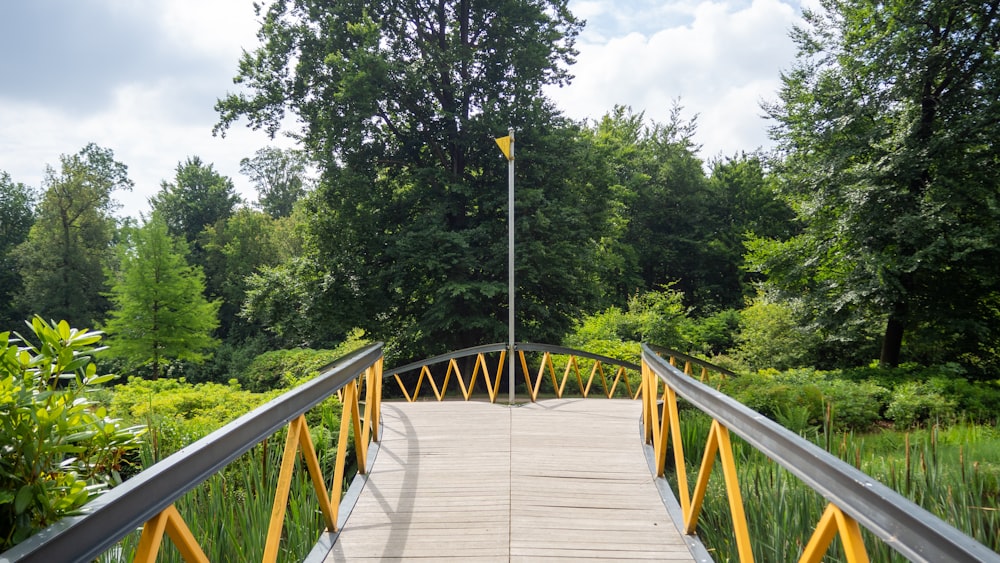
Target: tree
point(242, 245)
point(62, 260)
point(17, 214)
point(887, 128)
point(671, 222)
point(399, 104)
point(198, 197)
point(279, 176)
point(160, 313)
point(743, 206)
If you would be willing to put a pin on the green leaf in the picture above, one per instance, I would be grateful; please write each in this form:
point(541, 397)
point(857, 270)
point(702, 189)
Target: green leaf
point(23, 499)
point(63, 328)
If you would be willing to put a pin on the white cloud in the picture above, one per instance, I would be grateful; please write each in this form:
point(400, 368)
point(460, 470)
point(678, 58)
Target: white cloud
point(149, 141)
point(721, 61)
point(147, 89)
point(151, 120)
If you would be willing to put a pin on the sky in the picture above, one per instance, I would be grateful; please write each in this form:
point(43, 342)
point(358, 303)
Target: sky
point(142, 78)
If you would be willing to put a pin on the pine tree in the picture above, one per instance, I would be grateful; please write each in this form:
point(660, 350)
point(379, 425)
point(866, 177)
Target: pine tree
point(160, 312)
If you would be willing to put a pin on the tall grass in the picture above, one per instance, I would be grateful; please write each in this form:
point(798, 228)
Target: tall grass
point(229, 513)
point(952, 472)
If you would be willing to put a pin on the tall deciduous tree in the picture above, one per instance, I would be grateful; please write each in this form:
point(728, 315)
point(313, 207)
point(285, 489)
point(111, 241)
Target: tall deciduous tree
point(279, 176)
point(160, 312)
point(888, 126)
point(743, 207)
point(198, 197)
point(399, 102)
point(17, 214)
point(242, 245)
point(63, 258)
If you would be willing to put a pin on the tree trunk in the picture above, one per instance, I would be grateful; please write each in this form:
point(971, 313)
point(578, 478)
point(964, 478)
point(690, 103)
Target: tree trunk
point(892, 341)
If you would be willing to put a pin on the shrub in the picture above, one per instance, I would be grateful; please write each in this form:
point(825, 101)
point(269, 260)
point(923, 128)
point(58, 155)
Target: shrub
point(655, 317)
point(59, 447)
point(771, 337)
point(917, 402)
point(779, 395)
point(286, 368)
point(854, 405)
point(714, 334)
point(178, 412)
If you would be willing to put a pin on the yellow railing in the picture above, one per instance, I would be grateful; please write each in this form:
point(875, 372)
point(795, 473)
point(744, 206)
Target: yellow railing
point(854, 499)
point(148, 498)
point(297, 441)
point(609, 373)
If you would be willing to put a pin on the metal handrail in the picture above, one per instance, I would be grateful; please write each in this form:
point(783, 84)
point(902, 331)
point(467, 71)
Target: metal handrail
point(520, 346)
point(663, 351)
point(534, 347)
point(906, 527)
point(492, 382)
point(128, 506)
point(465, 352)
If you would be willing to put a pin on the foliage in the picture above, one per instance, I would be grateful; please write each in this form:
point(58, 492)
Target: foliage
point(744, 205)
point(178, 412)
point(713, 334)
point(886, 126)
point(864, 398)
point(659, 202)
point(771, 335)
point(279, 176)
point(854, 405)
point(17, 214)
point(285, 368)
point(62, 260)
point(916, 402)
point(669, 223)
point(230, 512)
point(59, 448)
point(238, 248)
point(291, 301)
point(409, 216)
point(656, 317)
point(954, 473)
point(198, 197)
point(160, 314)
point(779, 394)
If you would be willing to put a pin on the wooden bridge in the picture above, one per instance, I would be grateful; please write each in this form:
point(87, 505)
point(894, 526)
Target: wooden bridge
point(460, 477)
point(475, 481)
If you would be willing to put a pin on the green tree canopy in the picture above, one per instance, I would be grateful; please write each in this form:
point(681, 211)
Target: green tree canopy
point(198, 197)
point(62, 260)
point(279, 176)
point(241, 246)
point(399, 104)
point(160, 313)
point(671, 224)
point(887, 126)
point(17, 214)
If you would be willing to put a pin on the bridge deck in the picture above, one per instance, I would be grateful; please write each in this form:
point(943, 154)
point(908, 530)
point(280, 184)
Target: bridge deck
point(471, 481)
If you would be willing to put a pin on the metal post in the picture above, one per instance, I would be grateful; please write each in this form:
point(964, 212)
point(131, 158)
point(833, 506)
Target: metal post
point(510, 264)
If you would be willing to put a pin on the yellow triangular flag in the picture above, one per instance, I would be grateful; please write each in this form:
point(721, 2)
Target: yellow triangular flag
point(504, 144)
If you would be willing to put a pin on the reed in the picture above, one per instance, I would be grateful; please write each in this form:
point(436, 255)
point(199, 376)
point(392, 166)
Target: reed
point(953, 472)
point(229, 513)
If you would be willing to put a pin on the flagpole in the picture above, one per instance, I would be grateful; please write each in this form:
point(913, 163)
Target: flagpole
point(510, 264)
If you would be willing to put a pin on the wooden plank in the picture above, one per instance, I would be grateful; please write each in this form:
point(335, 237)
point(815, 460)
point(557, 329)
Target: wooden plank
point(559, 479)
